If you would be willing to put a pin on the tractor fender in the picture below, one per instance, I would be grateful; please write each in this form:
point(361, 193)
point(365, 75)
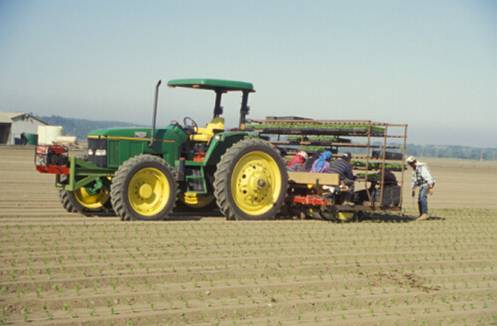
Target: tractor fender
point(220, 144)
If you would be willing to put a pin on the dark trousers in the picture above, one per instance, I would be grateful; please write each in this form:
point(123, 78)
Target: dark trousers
point(349, 195)
point(423, 199)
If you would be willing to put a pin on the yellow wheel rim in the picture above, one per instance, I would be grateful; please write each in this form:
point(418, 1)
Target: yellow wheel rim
point(256, 183)
point(89, 201)
point(148, 191)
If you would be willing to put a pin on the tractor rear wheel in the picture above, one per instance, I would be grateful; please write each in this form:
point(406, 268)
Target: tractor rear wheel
point(143, 188)
point(251, 181)
point(80, 201)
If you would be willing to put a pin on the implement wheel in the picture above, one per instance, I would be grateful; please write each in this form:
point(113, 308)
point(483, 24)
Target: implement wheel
point(195, 201)
point(331, 214)
point(143, 188)
point(251, 181)
point(81, 201)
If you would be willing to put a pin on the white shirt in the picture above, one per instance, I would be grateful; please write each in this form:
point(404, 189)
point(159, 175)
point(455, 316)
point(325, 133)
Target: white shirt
point(421, 175)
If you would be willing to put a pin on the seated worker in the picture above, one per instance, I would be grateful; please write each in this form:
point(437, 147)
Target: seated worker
point(389, 182)
point(343, 167)
point(322, 164)
point(312, 158)
point(297, 163)
point(389, 178)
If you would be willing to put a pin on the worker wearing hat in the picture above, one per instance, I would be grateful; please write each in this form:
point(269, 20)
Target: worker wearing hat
point(422, 178)
point(297, 163)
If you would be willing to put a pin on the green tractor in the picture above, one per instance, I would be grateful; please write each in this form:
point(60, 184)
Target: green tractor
point(142, 173)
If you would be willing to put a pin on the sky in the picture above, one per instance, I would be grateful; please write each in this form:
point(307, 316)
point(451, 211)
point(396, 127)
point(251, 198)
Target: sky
point(431, 64)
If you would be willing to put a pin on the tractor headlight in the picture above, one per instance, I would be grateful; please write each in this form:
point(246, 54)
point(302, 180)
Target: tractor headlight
point(97, 151)
point(100, 152)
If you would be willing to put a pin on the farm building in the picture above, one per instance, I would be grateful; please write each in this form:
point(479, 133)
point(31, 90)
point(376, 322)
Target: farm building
point(13, 124)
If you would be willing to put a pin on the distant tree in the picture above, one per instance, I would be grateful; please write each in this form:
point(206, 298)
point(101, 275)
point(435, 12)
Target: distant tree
point(452, 151)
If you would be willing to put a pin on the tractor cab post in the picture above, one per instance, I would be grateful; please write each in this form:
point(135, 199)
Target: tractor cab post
point(218, 109)
point(244, 110)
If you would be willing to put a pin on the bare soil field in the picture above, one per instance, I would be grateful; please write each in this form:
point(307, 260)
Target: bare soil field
point(61, 268)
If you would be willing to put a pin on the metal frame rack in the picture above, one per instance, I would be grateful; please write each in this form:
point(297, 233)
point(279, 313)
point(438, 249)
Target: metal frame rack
point(278, 131)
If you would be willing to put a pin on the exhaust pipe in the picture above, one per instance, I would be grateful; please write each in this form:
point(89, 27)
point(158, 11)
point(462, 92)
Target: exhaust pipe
point(154, 118)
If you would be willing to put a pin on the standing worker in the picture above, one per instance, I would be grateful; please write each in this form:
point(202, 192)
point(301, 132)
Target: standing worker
point(422, 178)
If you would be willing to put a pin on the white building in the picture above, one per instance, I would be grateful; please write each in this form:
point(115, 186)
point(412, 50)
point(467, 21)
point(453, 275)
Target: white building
point(13, 124)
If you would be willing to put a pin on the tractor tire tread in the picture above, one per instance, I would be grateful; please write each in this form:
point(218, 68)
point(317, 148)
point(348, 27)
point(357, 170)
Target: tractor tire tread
point(72, 206)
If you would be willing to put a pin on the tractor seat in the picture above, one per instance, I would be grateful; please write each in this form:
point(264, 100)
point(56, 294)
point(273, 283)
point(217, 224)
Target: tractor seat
point(205, 134)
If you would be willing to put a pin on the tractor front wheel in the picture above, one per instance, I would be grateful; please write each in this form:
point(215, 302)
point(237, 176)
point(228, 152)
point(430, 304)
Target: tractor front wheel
point(81, 201)
point(251, 181)
point(143, 188)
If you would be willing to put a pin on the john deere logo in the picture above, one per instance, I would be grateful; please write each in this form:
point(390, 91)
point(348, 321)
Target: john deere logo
point(140, 134)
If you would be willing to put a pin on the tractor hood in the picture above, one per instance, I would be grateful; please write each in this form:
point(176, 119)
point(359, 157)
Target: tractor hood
point(135, 133)
point(109, 148)
point(121, 132)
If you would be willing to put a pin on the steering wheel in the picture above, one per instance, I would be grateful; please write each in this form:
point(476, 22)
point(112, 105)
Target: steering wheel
point(189, 123)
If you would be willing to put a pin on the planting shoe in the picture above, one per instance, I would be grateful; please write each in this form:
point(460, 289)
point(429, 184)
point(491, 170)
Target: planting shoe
point(423, 217)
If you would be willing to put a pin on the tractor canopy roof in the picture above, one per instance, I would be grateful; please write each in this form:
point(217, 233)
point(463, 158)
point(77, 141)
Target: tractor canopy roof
point(212, 84)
